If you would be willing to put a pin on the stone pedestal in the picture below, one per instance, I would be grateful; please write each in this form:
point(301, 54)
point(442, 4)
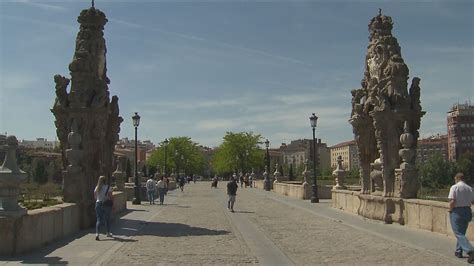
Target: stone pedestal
point(10, 178)
point(339, 174)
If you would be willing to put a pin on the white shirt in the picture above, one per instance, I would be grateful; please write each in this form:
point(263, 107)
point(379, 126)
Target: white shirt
point(150, 185)
point(161, 184)
point(462, 194)
point(101, 195)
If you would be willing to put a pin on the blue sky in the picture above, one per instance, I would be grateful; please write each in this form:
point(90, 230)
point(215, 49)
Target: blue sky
point(199, 69)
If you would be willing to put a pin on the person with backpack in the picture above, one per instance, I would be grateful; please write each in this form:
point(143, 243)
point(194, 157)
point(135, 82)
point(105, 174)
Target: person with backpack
point(150, 188)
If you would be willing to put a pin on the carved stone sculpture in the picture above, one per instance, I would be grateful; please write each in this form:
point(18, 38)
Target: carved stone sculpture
point(376, 177)
point(88, 152)
point(339, 174)
point(119, 174)
point(382, 105)
point(267, 183)
point(277, 174)
point(10, 178)
point(306, 173)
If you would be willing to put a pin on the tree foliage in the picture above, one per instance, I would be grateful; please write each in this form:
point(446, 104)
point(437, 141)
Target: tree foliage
point(238, 151)
point(436, 172)
point(465, 165)
point(181, 152)
point(39, 173)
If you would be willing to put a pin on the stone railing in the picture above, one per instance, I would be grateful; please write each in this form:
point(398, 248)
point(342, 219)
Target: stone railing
point(297, 190)
point(45, 225)
point(416, 213)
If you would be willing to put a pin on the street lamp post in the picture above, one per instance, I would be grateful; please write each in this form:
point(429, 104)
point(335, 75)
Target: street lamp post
point(314, 197)
point(137, 187)
point(166, 154)
point(267, 182)
point(176, 164)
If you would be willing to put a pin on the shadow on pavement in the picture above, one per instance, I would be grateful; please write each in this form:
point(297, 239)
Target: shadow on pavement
point(173, 230)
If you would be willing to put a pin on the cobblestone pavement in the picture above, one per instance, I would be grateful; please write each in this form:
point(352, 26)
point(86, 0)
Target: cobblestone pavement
point(200, 230)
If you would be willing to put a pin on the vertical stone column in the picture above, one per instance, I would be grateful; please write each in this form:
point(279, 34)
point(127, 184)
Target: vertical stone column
point(406, 177)
point(10, 178)
point(119, 174)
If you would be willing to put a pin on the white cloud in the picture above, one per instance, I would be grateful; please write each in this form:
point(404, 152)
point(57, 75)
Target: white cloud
point(44, 6)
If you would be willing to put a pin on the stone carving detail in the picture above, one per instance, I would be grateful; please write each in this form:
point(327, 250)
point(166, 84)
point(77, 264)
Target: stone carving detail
point(87, 120)
point(376, 176)
point(406, 177)
point(306, 173)
point(339, 174)
point(381, 106)
point(119, 174)
point(10, 178)
point(277, 174)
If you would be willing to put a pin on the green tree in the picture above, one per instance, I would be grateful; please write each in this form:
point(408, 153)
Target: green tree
point(436, 172)
point(144, 170)
point(183, 153)
point(465, 165)
point(238, 151)
point(39, 173)
point(291, 176)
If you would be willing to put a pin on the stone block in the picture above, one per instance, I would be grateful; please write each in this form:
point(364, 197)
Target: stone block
point(412, 214)
point(7, 229)
point(440, 217)
point(426, 217)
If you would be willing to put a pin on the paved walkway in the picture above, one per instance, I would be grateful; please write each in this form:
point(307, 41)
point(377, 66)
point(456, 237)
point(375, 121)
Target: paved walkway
point(195, 227)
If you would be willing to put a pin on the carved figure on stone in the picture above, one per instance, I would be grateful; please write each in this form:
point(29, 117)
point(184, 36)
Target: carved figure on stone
point(376, 176)
point(381, 106)
point(61, 93)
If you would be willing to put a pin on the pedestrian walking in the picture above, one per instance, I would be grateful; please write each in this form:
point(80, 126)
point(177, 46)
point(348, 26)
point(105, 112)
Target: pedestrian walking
point(181, 183)
point(161, 190)
point(103, 206)
point(150, 189)
point(460, 199)
point(167, 180)
point(232, 193)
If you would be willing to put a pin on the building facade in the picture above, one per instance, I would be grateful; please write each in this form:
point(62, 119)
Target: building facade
point(39, 143)
point(298, 151)
point(429, 147)
point(460, 122)
point(349, 152)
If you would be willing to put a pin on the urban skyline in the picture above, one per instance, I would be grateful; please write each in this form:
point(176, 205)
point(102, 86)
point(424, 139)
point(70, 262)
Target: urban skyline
point(201, 69)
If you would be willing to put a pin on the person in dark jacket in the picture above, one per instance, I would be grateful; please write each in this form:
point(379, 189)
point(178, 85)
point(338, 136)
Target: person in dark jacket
point(232, 193)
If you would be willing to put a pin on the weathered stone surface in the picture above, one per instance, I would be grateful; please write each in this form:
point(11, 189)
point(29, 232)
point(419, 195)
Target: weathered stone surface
point(10, 178)
point(87, 120)
point(382, 105)
point(339, 174)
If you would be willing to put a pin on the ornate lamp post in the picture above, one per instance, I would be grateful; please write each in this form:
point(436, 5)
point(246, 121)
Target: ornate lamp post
point(166, 154)
point(137, 187)
point(314, 197)
point(266, 182)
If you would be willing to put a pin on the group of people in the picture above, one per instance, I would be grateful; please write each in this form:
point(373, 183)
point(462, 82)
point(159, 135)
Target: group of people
point(152, 186)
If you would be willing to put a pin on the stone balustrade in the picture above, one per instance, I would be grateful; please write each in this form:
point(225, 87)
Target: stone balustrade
point(416, 213)
point(45, 225)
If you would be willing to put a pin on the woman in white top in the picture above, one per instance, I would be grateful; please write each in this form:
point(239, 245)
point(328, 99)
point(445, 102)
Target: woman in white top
point(102, 192)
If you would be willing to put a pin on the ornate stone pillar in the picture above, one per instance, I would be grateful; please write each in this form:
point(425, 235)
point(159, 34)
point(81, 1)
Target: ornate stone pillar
point(406, 177)
point(10, 178)
point(339, 174)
